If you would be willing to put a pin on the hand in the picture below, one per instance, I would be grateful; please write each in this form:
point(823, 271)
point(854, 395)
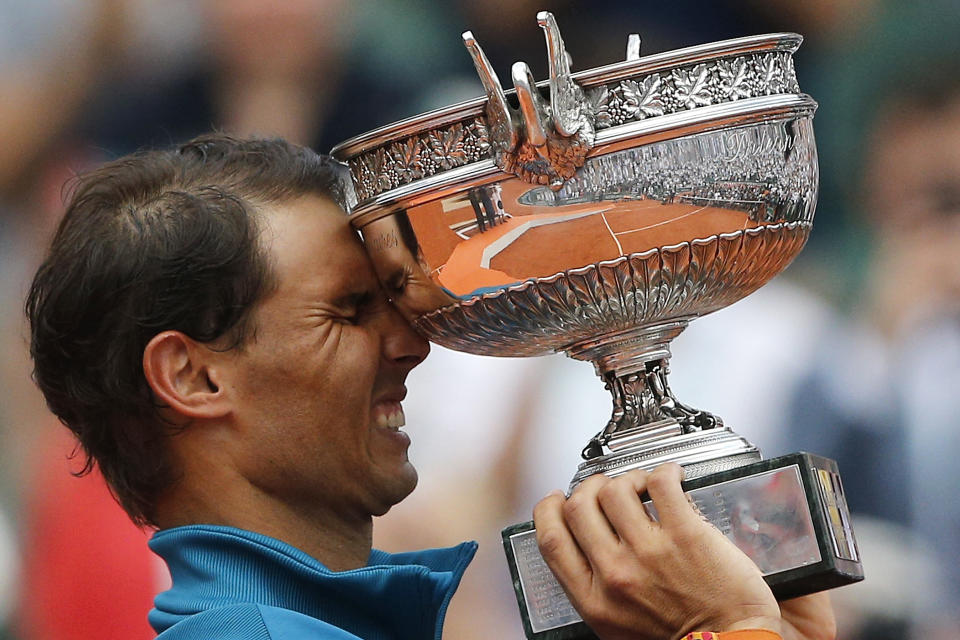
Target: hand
point(632, 577)
point(808, 618)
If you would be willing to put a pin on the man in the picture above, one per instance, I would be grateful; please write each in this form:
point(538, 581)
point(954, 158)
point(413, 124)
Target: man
point(209, 326)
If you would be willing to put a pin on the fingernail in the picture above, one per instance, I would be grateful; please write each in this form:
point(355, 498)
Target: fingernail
point(555, 492)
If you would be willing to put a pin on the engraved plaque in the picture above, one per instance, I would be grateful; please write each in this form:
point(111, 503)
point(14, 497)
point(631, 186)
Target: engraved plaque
point(547, 604)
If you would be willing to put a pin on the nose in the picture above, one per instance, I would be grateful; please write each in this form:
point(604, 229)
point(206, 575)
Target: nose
point(402, 345)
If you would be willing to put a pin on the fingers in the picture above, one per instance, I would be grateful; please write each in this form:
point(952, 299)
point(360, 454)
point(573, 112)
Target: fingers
point(673, 506)
point(576, 536)
point(620, 501)
point(580, 536)
point(558, 546)
point(586, 520)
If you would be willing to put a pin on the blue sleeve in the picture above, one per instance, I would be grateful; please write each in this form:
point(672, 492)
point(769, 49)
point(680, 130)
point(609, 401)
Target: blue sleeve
point(283, 624)
point(236, 622)
point(253, 622)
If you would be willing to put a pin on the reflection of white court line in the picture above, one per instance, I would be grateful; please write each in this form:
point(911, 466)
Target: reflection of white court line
point(612, 234)
point(504, 241)
point(657, 224)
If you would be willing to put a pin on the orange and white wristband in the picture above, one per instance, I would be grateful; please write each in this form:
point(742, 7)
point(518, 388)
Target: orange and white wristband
point(741, 634)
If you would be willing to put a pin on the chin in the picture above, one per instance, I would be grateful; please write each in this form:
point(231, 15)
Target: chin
point(403, 486)
point(410, 483)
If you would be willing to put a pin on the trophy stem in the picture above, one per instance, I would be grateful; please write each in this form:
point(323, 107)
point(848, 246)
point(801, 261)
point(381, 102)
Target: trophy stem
point(649, 425)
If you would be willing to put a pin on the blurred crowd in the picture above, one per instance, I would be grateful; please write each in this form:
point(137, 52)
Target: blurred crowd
point(853, 353)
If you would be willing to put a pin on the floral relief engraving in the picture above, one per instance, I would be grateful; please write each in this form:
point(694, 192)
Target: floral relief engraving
point(419, 156)
point(692, 86)
point(446, 147)
point(642, 99)
point(406, 155)
point(733, 76)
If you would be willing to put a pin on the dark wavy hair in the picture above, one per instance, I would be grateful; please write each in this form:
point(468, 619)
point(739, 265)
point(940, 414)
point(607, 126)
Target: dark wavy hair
point(156, 241)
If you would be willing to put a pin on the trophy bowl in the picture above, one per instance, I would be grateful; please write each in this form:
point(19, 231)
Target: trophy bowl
point(598, 213)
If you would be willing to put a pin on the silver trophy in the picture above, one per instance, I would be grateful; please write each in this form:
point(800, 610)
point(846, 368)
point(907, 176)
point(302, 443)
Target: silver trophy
point(597, 214)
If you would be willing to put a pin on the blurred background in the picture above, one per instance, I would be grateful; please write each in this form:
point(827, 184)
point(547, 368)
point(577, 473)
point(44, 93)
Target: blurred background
point(853, 353)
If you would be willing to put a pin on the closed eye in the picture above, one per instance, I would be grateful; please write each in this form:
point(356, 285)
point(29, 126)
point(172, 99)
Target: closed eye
point(396, 282)
point(353, 306)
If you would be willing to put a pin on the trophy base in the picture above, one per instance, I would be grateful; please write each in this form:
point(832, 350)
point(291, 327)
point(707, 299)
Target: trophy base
point(788, 514)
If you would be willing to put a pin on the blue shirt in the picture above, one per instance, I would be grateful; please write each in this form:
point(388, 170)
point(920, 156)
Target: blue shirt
point(230, 584)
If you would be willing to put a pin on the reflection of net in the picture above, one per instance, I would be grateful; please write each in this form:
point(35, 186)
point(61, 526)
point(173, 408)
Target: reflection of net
point(767, 170)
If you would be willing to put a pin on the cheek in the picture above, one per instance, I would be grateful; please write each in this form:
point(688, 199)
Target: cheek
point(358, 352)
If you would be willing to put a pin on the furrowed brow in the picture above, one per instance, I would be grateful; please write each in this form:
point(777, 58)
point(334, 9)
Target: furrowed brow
point(354, 300)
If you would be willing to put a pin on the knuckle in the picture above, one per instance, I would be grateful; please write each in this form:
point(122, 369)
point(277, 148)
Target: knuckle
point(550, 542)
point(620, 486)
point(691, 535)
point(638, 477)
point(664, 476)
point(620, 579)
point(574, 505)
point(592, 483)
point(621, 483)
point(609, 490)
point(545, 506)
point(671, 470)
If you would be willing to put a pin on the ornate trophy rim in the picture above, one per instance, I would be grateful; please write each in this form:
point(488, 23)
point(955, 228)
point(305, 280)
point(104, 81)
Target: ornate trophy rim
point(786, 42)
point(633, 134)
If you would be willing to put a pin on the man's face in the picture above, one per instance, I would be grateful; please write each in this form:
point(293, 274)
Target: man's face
point(317, 387)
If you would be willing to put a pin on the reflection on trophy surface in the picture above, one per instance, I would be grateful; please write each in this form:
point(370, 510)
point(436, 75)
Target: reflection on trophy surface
point(598, 214)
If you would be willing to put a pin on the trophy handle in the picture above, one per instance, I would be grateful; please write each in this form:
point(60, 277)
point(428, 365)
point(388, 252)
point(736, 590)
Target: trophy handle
point(540, 144)
point(503, 129)
point(566, 96)
point(532, 109)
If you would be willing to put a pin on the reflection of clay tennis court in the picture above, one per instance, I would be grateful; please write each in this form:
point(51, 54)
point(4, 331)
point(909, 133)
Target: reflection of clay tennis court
point(539, 241)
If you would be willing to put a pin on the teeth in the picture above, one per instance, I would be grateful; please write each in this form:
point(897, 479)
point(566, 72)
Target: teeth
point(393, 420)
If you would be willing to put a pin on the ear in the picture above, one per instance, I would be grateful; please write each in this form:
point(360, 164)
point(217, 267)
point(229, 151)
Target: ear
point(182, 375)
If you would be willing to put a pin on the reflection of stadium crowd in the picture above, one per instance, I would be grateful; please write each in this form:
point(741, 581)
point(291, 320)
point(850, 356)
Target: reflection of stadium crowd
point(742, 169)
point(83, 81)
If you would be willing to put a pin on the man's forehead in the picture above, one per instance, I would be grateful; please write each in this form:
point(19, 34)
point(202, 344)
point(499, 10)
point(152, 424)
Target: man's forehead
point(311, 237)
point(309, 222)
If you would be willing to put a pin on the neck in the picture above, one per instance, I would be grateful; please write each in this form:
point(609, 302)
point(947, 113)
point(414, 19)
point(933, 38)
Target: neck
point(339, 541)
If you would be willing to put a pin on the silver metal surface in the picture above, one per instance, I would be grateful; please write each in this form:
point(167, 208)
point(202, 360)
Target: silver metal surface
point(697, 186)
point(633, 47)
